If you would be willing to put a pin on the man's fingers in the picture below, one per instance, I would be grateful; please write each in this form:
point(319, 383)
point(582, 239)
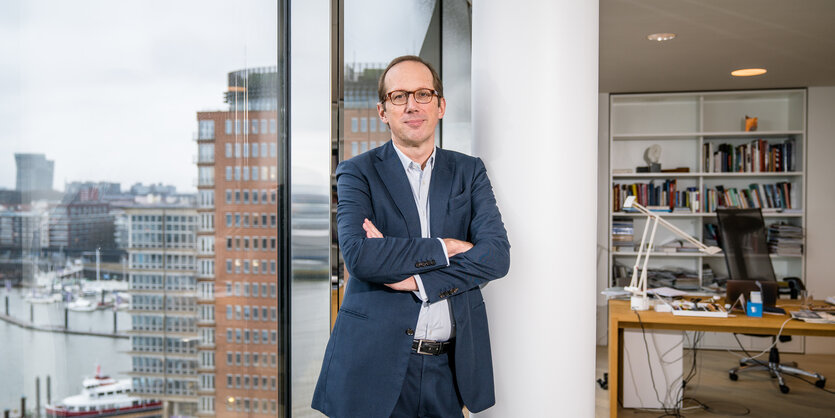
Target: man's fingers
point(371, 231)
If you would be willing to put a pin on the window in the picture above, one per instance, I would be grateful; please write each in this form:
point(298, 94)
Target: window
point(255, 127)
point(237, 172)
point(263, 149)
point(228, 196)
point(354, 124)
point(228, 126)
point(246, 196)
point(364, 125)
point(228, 219)
point(272, 149)
point(273, 126)
point(255, 173)
point(246, 149)
point(228, 149)
point(363, 146)
point(263, 126)
point(355, 149)
point(372, 124)
point(237, 130)
point(228, 173)
point(255, 145)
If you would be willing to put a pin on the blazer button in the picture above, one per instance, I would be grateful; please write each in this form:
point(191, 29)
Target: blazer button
point(410, 332)
point(418, 265)
point(431, 262)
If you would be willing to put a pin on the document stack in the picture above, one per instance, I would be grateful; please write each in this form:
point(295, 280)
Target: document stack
point(785, 239)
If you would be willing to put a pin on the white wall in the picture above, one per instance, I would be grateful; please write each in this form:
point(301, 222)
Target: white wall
point(820, 203)
point(535, 110)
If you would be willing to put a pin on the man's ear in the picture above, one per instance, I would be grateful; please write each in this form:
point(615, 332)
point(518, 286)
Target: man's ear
point(381, 112)
point(441, 107)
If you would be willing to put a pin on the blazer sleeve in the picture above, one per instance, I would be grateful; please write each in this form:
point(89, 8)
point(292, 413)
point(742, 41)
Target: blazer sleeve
point(379, 260)
point(489, 259)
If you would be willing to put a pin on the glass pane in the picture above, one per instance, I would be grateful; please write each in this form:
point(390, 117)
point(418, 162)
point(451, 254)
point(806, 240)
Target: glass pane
point(123, 125)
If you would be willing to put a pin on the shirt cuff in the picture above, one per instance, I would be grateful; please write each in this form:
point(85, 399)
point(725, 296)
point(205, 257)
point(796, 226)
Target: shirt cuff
point(421, 292)
point(445, 251)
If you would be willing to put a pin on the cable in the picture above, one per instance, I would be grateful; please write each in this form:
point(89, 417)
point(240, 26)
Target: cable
point(675, 411)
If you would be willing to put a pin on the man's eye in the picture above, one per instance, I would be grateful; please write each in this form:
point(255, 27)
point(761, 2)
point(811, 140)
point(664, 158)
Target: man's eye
point(398, 95)
point(423, 94)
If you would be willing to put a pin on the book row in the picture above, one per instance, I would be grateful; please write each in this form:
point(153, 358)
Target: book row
point(667, 197)
point(755, 157)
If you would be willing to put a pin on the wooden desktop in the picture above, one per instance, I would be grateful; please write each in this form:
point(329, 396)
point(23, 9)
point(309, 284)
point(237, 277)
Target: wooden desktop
point(621, 316)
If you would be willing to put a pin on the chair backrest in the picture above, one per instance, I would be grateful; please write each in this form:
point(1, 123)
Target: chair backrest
point(743, 239)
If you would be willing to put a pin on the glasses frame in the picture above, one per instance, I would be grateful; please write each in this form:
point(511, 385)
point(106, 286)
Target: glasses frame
point(411, 93)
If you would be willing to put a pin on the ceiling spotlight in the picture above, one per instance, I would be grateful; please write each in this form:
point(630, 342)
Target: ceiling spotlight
point(660, 37)
point(748, 72)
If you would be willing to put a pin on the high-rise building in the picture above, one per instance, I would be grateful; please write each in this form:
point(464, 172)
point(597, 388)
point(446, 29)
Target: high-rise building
point(34, 172)
point(162, 259)
point(362, 128)
point(237, 186)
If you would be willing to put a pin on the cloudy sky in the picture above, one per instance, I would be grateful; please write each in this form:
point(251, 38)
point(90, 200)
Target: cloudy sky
point(109, 90)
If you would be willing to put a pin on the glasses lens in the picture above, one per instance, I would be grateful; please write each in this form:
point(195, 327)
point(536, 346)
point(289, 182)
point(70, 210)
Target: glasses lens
point(423, 96)
point(398, 97)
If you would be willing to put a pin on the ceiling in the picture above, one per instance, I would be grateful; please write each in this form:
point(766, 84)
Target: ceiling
point(793, 39)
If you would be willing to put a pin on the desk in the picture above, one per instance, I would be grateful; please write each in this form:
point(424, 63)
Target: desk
point(621, 316)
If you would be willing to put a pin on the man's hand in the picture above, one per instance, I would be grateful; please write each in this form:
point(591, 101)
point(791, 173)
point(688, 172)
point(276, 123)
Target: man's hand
point(371, 231)
point(406, 285)
point(456, 246)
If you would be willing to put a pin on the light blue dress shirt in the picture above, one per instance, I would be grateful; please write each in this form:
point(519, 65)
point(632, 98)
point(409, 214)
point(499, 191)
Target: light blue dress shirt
point(435, 320)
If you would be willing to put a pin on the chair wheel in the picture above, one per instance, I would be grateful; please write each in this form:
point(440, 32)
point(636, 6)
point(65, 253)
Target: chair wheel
point(820, 383)
point(733, 376)
point(784, 389)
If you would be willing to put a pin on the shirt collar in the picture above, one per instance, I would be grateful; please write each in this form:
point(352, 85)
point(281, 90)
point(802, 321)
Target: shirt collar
point(408, 162)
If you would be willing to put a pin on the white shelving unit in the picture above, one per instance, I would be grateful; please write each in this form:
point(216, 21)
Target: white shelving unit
point(681, 123)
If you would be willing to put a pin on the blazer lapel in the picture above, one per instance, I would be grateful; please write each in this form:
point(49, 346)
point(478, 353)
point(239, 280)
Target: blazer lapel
point(391, 171)
point(439, 191)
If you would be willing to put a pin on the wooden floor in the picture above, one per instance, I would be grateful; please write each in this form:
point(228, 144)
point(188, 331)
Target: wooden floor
point(755, 394)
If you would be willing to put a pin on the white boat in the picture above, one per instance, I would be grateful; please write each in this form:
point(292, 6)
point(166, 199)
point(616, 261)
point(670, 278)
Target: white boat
point(82, 305)
point(102, 396)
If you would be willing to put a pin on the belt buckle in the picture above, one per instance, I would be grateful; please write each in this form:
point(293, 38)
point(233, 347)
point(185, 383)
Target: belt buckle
point(420, 346)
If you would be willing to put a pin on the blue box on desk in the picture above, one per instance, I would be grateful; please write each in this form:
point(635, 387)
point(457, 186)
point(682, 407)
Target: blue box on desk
point(754, 309)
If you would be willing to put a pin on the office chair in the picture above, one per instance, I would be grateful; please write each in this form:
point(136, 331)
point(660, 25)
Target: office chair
point(743, 240)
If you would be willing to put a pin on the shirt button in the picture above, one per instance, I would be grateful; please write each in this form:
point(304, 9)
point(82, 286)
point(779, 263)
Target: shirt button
point(410, 332)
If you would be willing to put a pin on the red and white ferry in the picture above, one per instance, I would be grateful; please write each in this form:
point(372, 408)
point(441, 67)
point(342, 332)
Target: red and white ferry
point(103, 396)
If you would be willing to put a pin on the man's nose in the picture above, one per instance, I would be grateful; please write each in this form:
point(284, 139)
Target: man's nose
point(411, 103)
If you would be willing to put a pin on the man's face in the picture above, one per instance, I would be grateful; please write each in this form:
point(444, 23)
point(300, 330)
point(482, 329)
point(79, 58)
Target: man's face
point(413, 123)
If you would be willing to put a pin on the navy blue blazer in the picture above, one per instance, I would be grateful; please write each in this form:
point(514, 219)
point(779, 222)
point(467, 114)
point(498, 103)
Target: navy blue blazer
point(367, 354)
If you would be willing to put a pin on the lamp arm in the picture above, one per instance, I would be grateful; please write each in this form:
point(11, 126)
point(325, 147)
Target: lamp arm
point(702, 247)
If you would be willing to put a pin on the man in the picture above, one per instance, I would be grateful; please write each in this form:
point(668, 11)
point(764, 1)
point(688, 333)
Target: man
point(420, 234)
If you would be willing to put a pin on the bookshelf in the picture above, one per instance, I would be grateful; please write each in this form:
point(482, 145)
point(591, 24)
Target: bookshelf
point(766, 167)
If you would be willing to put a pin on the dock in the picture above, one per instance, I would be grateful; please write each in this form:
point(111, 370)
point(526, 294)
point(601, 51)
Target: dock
point(58, 329)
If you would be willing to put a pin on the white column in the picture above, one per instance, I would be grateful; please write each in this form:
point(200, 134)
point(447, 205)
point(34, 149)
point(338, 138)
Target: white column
point(535, 110)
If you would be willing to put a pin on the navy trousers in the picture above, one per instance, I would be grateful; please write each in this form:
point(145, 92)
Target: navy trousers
point(429, 389)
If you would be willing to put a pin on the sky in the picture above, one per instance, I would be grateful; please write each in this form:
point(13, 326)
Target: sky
point(109, 90)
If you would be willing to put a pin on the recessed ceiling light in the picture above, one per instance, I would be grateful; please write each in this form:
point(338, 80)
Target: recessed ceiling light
point(748, 72)
point(661, 37)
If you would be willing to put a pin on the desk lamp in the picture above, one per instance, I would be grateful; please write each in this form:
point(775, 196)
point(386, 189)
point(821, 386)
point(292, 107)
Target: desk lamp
point(638, 287)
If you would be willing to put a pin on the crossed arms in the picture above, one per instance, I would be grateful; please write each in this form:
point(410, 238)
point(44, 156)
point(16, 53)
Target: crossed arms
point(369, 256)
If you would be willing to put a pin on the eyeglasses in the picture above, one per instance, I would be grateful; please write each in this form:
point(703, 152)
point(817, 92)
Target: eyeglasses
point(400, 97)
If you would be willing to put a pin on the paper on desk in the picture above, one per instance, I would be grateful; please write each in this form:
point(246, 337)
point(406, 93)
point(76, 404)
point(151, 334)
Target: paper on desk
point(615, 292)
point(666, 292)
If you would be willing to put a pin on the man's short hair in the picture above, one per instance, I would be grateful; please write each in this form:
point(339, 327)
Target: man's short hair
point(436, 81)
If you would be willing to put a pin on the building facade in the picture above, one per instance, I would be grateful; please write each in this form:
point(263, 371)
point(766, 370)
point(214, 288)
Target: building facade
point(237, 185)
point(162, 260)
point(34, 172)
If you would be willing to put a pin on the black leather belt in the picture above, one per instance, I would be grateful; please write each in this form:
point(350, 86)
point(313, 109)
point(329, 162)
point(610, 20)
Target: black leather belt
point(432, 348)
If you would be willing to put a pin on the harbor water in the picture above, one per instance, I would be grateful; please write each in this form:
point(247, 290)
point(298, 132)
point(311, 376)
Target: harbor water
point(66, 358)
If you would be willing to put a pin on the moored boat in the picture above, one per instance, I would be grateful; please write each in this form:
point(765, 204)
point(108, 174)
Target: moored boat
point(103, 396)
